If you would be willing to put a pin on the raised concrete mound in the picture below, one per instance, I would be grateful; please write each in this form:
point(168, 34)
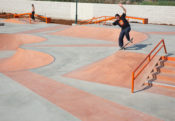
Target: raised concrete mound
point(25, 59)
point(22, 59)
point(14, 41)
point(98, 33)
point(114, 70)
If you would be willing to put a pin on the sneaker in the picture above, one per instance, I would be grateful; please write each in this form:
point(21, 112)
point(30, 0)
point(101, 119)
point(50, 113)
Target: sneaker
point(122, 48)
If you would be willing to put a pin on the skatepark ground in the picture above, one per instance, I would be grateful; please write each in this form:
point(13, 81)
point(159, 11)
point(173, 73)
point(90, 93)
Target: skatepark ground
point(53, 72)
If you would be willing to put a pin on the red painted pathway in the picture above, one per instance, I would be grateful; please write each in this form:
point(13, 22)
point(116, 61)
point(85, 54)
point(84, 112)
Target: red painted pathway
point(85, 106)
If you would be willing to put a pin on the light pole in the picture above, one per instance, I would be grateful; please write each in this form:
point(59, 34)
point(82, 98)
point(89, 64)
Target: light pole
point(76, 16)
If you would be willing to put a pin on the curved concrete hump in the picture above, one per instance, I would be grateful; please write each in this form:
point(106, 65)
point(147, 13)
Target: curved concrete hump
point(22, 59)
point(115, 70)
point(14, 41)
point(98, 33)
point(25, 59)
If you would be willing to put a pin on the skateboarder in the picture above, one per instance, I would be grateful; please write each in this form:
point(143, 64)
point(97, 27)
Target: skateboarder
point(125, 27)
point(33, 12)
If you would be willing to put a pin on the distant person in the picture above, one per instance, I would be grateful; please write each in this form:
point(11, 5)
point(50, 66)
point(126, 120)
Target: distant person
point(125, 27)
point(33, 12)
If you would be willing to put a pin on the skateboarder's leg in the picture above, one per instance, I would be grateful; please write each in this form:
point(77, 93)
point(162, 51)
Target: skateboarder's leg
point(33, 15)
point(121, 36)
point(127, 30)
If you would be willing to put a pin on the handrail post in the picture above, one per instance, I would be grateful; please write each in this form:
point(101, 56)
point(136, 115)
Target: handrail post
point(46, 20)
point(164, 46)
point(30, 18)
point(105, 19)
point(132, 88)
point(149, 58)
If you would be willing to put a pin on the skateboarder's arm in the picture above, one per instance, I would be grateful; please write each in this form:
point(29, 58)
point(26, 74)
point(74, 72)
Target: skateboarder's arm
point(122, 8)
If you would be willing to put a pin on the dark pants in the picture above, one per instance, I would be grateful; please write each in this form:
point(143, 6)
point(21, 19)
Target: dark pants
point(124, 32)
point(33, 15)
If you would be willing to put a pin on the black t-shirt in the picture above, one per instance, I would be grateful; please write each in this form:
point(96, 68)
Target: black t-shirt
point(122, 22)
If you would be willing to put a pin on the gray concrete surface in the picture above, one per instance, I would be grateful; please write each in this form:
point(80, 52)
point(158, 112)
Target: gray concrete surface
point(18, 103)
point(6, 54)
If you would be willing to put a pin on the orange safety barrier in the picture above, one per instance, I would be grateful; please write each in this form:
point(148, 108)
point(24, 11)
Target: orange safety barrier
point(47, 20)
point(96, 20)
point(18, 15)
point(6, 15)
point(144, 20)
point(23, 14)
point(149, 58)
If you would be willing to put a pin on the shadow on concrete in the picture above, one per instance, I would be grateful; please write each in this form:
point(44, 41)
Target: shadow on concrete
point(2, 24)
point(169, 54)
point(145, 88)
point(138, 47)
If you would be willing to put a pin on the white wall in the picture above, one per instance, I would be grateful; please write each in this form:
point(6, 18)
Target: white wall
point(155, 14)
point(66, 10)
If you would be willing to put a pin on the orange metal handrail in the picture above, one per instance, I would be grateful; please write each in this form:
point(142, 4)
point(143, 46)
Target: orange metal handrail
point(144, 20)
point(22, 14)
point(106, 18)
point(149, 58)
point(97, 20)
point(8, 15)
point(46, 18)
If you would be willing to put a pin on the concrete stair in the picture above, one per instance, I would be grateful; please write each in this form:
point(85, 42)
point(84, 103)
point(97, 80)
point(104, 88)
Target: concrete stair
point(163, 75)
point(166, 77)
point(169, 63)
point(168, 70)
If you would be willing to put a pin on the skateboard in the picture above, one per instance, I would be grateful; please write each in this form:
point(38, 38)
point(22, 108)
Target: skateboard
point(124, 46)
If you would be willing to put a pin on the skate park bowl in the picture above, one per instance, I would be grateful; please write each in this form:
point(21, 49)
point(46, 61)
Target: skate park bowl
point(22, 59)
